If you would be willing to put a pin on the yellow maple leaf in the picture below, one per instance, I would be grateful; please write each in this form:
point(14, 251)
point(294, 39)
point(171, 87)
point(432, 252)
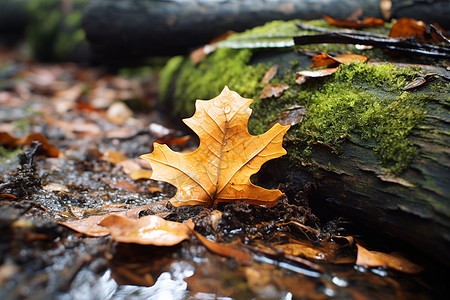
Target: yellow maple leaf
point(220, 169)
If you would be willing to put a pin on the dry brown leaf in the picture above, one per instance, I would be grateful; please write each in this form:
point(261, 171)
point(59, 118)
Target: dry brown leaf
point(200, 53)
point(291, 116)
point(273, 90)
point(113, 157)
point(394, 261)
point(418, 81)
point(220, 169)
point(270, 74)
point(136, 175)
point(302, 76)
point(148, 230)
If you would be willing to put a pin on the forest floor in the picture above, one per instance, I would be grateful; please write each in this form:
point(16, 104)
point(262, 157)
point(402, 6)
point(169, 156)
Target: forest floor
point(92, 126)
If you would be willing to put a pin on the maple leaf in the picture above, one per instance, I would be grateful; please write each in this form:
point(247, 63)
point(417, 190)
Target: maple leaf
point(220, 169)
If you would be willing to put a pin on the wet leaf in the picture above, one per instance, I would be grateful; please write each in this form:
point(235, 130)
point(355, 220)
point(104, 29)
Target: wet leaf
point(406, 27)
point(90, 225)
point(291, 116)
point(365, 23)
point(10, 141)
point(394, 261)
point(323, 59)
point(220, 169)
point(148, 230)
point(240, 256)
point(273, 90)
point(302, 76)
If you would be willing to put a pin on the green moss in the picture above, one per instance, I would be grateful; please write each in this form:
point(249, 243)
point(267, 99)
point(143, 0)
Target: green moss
point(360, 101)
point(8, 154)
point(225, 67)
point(167, 75)
point(55, 33)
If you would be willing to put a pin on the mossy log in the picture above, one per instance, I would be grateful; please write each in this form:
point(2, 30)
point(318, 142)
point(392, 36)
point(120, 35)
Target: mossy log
point(376, 152)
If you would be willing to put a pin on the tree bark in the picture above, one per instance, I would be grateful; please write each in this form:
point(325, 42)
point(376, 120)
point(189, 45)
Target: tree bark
point(134, 29)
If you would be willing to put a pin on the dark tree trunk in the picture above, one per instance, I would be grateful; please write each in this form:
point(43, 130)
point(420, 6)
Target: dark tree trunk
point(135, 29)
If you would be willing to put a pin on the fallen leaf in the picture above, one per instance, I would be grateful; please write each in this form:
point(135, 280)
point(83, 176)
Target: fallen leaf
point(290, 116)
point(90, 225)
point(302, 76)
point(418, 81)
point(148, 230)
point(394, 261)
point(240, 256)
point(10, 141)
point(55, 187)
point(324, 59)
point(113, 157)
point(365, 23)
point(270, 74)
point(136, 175)
point(220, 169)
point(6, 196)
point(199, 54)
point(406, 27)
point(273, 90)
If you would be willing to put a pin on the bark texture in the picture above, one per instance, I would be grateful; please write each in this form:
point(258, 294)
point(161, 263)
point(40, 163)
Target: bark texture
point(139, 28)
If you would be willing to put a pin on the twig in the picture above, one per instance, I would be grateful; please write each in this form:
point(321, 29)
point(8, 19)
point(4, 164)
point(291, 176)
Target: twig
point(397, 44)
point(346, 31)
point(439, 33)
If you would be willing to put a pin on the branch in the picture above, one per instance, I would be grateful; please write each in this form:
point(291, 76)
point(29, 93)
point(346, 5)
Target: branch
point(398, 44)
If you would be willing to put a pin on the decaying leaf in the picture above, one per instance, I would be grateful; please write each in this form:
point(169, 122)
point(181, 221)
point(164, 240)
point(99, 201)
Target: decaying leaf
point(394, 261)
point(365, 23)
point(270, 74)
point(220, 169)
point(324, 59)
point(90, 225)
point(291, 116)
point(10, 141)
point(302, 76)
point(240, 256)
point(273, 90)
point(148, 230)
point(406, 27)
point(418, 81)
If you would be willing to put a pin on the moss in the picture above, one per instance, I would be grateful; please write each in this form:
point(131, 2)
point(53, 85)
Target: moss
point(359, 102)
point(167, 75)
point(7, 155)
point(55, 33)
point(207, 79)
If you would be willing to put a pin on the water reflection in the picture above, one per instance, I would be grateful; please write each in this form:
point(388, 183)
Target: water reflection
point(167, 286)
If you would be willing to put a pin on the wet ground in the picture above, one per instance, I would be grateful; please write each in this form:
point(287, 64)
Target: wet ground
point(294, 254)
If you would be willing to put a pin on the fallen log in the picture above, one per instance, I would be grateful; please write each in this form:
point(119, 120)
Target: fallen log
point(117, 29)
point(375, 149)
